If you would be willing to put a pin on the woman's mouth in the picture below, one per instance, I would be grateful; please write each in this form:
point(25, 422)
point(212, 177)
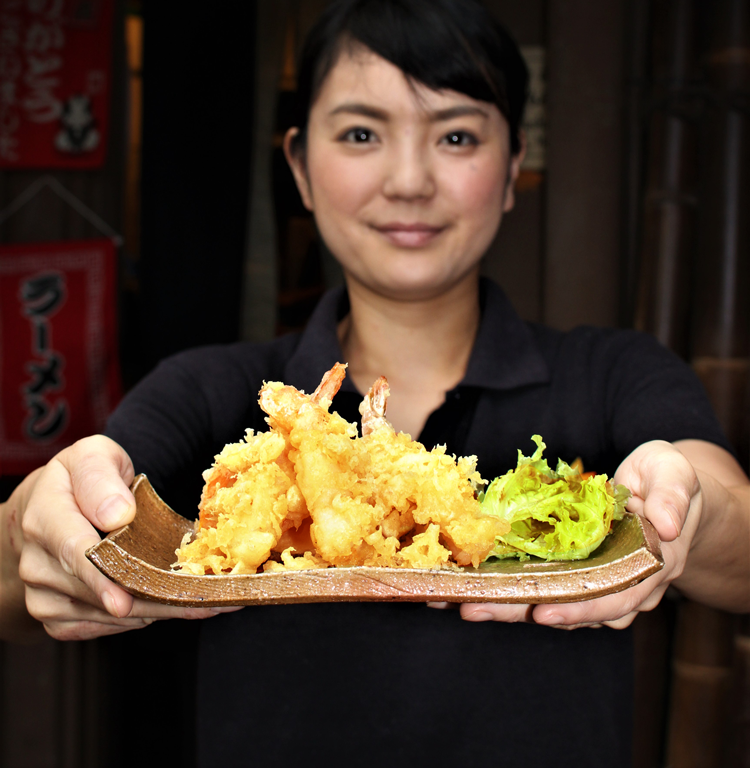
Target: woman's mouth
point(405, 235)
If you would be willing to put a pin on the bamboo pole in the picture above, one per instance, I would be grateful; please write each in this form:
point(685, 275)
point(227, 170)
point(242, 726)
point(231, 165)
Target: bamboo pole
point(704, 726)
point(661, 305)
point(740, 742)
point(671, 201)
point(701, 688)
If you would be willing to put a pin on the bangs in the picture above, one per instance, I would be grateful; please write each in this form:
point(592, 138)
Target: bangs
point(443, 44)
point(415, 38)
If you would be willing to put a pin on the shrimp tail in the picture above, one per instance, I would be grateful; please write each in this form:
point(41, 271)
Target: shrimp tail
point(282, 402)
point(373, 407)
point(329, 385)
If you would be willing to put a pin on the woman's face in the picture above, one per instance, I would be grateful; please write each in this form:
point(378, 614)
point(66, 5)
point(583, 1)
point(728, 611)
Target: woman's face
point(408, 185)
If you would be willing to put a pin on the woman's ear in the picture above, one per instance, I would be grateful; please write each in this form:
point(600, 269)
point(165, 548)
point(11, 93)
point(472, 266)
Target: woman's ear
point(296, 159)
point(513, 170)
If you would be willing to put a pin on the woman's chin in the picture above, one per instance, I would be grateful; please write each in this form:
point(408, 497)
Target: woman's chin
point(412, 287)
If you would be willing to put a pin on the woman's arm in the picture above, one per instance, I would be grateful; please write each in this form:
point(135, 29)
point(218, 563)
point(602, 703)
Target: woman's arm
point(717, 571)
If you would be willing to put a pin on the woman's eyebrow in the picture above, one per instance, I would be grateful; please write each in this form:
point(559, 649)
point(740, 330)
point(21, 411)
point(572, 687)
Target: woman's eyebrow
point(436, 116)
point(365, 110)
point(462, 110)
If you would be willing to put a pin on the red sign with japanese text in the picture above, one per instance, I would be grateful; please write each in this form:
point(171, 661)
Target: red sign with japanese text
point(59, 368)
point(55, 80)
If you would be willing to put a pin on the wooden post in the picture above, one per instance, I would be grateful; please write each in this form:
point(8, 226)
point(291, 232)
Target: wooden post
point(701, 688)
point(739, 755)
point(661, 305)
point(721, 328)
point(670, 206)
point(703, 724)
point(584, 174)
point(637, 45)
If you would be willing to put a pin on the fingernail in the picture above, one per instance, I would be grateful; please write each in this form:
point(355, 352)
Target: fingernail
point(551, 619)
point(674, 516)
point(437, 605)
point(231, 609)
point(479, 616)
point(110, 605)
point(111, 512)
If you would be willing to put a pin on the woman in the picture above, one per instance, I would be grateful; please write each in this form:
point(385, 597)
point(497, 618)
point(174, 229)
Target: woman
point(406, 151)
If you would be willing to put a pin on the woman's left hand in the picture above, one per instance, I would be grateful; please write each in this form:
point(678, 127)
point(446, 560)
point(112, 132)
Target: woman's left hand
point(667, 491)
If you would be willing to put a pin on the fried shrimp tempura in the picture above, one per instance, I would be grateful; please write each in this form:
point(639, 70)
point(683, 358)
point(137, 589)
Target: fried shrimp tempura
point(248, 501)
point(323, 450)
point(315, 494)
point(427, 489)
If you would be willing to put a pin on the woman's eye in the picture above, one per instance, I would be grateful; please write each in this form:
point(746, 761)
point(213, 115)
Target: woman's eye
point(460, 139)
point(359, 136)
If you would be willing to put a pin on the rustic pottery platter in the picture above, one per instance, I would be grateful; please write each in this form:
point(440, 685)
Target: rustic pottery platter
point(139, 555)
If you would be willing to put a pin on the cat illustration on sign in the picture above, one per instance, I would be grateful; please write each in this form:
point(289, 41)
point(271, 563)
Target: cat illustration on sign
point(78, 132)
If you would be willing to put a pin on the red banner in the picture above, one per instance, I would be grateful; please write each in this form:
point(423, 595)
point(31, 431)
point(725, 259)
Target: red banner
point(55, 80)
point(59, 370)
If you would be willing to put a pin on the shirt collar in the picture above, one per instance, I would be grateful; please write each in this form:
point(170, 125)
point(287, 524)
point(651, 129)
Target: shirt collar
point(505, 355)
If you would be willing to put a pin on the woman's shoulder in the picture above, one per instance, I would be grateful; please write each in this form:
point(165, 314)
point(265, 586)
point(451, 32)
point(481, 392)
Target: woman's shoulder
point(243, 358)
point(211, 387)
point(595, 346)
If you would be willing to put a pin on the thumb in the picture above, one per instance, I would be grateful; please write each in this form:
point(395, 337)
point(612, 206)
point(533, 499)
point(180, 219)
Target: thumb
point(663, 484)
point(101, 473)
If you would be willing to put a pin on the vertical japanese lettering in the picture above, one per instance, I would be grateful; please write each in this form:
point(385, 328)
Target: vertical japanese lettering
point(47, 412)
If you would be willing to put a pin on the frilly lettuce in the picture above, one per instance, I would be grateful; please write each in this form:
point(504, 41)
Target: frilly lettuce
point(555, 515)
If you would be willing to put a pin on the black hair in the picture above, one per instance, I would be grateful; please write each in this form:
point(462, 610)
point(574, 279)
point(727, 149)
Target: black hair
point(444, 44)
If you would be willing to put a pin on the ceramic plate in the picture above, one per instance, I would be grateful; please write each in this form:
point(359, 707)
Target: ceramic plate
point(138, 558)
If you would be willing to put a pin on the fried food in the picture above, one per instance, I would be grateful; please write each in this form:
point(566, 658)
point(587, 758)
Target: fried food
point(311, 493)
point(422, 488)
point(248, 479)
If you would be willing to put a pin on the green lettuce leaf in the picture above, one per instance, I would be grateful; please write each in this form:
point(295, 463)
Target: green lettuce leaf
point(554, 515)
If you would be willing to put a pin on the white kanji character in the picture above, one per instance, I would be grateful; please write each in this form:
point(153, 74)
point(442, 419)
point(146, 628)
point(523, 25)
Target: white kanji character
point(41, 37)
point(8, 147)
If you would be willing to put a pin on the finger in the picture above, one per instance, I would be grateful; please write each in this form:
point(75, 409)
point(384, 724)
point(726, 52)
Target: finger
point(663, 484)
point(48, 606)
point(510, 613)
point(53, 521)
point(51, 607)
point(44, 575)
point(608, 609)
point(151, 610)
point(39, 570)
point(667, 507)
point(67, 619)
point(54, 595)
point(66, 538)
point(569, 627)
point(83, 630)
point(622, 623)
point(100, 474)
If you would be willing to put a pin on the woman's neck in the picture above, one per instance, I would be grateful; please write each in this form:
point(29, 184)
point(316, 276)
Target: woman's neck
point(421, 347)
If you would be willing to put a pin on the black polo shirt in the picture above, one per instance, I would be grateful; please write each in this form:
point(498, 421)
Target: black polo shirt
point(401, 684)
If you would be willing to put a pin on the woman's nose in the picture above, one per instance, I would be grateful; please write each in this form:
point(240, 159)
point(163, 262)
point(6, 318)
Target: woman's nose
point(409, 174)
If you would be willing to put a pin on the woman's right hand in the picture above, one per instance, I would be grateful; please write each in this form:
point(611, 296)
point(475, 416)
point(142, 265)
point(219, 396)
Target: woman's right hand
point(57, 510)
